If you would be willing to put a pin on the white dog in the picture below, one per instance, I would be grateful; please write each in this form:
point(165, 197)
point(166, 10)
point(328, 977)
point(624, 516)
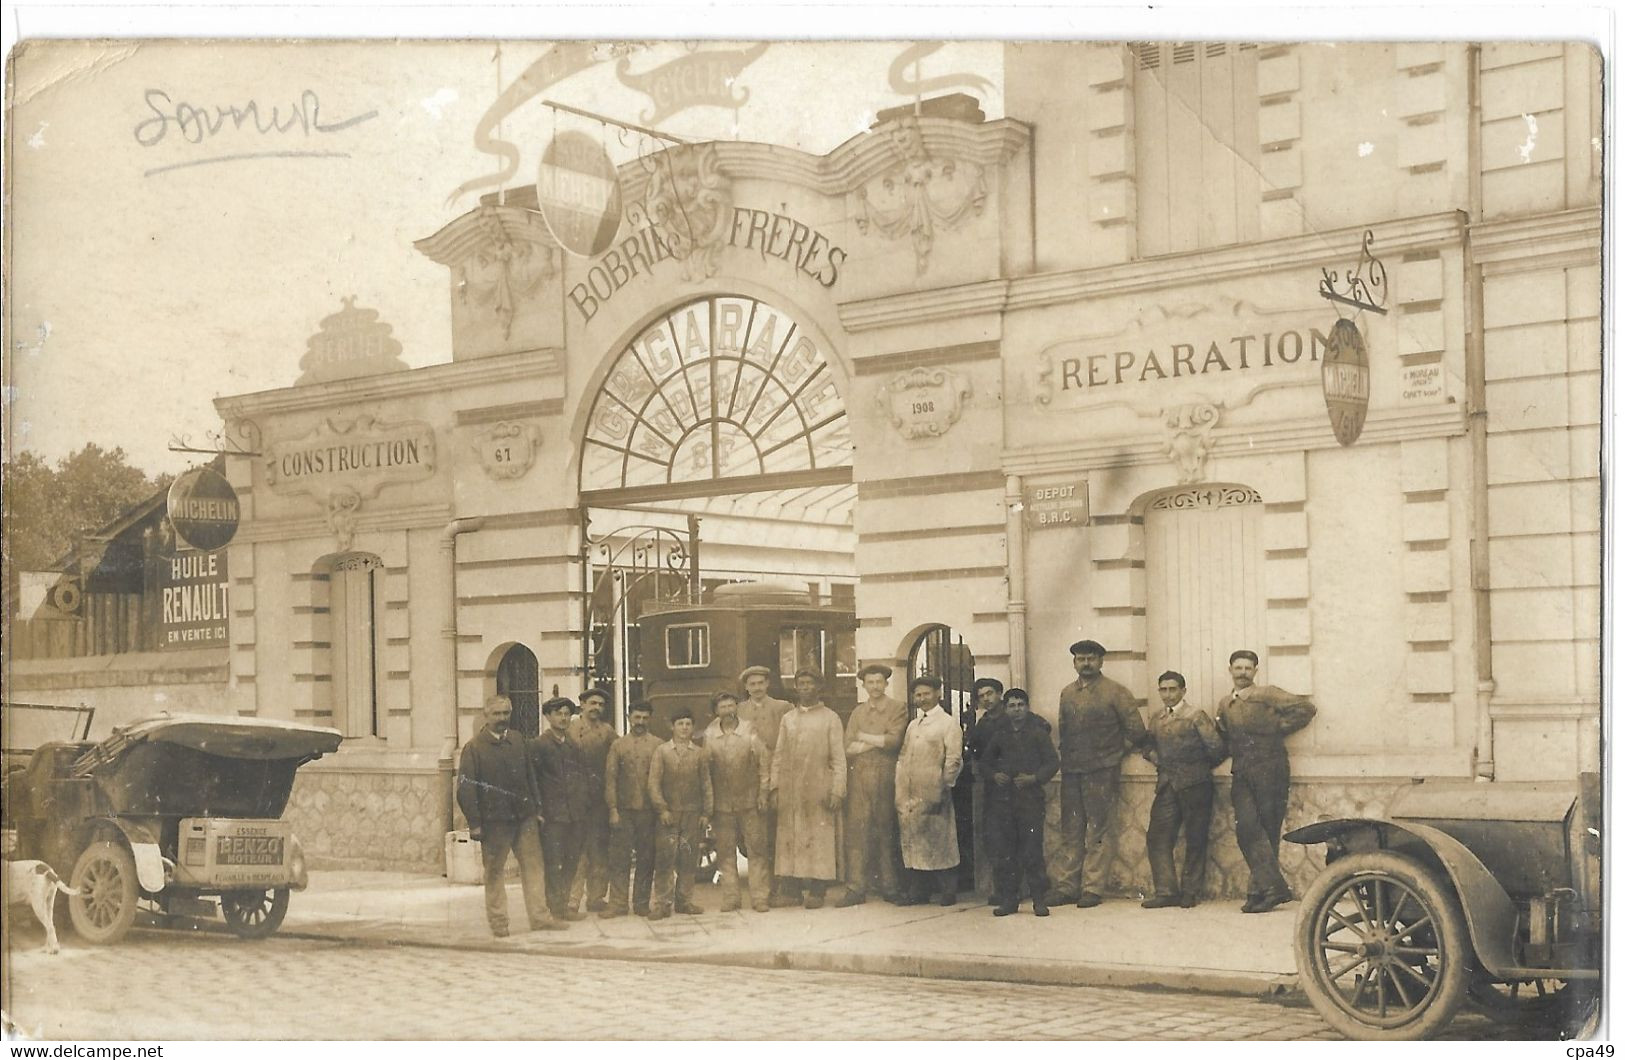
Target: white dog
point(36, 883)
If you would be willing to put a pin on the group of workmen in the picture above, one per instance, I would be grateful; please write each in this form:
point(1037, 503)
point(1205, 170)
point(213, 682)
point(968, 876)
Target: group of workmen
point(810, 802)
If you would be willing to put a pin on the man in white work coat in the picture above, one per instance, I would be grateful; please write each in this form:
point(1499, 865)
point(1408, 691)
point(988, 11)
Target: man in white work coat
point(926, 771)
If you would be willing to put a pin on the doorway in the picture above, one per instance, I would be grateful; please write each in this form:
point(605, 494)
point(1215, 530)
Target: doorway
point(1204, 585)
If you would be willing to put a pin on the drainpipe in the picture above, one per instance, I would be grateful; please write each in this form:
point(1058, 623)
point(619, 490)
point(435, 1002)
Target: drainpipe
point(446, 764)
point(1477, 428)
point(1016, 559)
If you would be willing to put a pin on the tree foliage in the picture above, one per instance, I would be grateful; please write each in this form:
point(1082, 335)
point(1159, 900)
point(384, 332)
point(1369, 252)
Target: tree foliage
point(47, 508)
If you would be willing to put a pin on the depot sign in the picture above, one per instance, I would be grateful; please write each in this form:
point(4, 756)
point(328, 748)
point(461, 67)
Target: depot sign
point(1057, 505)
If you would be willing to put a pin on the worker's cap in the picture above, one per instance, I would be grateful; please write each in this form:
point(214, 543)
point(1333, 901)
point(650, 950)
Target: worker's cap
point(754, 671)
point(875, 668)
point(1088, 647)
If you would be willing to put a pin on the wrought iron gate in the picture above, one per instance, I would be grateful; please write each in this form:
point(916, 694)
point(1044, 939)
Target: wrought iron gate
point(623, 573)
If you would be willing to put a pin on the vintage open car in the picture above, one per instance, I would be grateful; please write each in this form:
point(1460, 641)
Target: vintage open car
point(181, 812)
point(1486, 892)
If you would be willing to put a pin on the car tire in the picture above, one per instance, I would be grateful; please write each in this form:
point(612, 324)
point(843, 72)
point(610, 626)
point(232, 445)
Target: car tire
point(1382, 948)
point(254, 914)
point(105, 878)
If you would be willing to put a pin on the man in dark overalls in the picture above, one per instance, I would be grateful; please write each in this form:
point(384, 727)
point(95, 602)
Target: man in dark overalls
point(1099, 721)
point(561, 779)
point(1255, 720)
point(1018, 761)
point(1185, 746)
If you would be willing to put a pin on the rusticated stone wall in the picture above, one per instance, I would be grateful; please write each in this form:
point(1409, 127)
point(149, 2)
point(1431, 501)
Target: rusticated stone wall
point(1309, 801)
point(368, 820)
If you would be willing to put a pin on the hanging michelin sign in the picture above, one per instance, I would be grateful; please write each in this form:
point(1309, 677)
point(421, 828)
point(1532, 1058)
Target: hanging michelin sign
point(1345, 378)
point(203, 509)
point(579, 193)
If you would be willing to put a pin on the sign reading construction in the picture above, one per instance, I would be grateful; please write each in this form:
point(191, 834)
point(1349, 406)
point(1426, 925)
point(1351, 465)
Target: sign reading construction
point(203, 509)
point(579, 193)
point(361, 454)
point(193, 593)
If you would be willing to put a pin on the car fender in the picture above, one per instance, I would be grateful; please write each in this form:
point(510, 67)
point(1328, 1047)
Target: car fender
point(149, 859)
point(1492, 919)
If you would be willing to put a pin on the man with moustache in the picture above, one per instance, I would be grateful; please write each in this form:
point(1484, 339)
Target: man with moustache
point(561, 777)
point(874, 735)
point(763, 714)
point(631, 814)
point(1256, 720)
point(593, 735)
point(680, 790)
point(1099, 722)
point(740, 771)
point(809, 785)
point(496, 790)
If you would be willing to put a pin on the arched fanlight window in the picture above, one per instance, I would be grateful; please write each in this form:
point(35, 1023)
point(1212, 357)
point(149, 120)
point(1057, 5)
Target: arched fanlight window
point(726, 387)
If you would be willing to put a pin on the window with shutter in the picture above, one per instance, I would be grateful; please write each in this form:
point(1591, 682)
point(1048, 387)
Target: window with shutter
point(1196, 145)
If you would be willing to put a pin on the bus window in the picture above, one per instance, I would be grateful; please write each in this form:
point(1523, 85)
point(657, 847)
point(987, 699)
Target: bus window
point(800, 648)
point(688, 646)
point(846, 653)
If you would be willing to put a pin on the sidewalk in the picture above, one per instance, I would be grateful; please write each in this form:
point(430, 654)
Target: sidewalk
point(1212, 948)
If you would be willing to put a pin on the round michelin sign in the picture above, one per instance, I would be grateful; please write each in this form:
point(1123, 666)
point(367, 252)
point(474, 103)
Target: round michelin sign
point(579, 193)
point(203, 509)
point(1345, 378)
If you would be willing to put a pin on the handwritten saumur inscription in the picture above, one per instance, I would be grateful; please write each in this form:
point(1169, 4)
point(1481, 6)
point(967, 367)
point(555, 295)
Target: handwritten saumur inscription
point(179, 121)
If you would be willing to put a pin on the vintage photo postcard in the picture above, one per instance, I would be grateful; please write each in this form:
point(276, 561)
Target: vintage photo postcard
point(1100, 538)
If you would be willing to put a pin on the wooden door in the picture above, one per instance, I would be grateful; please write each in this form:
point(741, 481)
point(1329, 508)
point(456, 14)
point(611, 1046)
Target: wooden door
point(1204, 586)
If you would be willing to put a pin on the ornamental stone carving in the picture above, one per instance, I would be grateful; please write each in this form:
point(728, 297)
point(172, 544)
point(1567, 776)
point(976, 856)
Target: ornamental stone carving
point(1189, 438)
point(919, 192)
point(924, 402)
point(508, 449)
point(690, 201)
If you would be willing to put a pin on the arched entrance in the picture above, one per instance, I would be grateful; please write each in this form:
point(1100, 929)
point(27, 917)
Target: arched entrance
point(715, 451)
point(519, 678)
point(938, 651)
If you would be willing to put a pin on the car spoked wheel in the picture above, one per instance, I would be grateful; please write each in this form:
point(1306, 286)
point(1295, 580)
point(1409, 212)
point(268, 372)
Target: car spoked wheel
point(1381, 948)
point(105, 878)
point(254, 914)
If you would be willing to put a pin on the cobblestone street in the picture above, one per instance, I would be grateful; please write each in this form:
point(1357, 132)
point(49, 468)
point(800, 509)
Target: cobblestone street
point(174, 986)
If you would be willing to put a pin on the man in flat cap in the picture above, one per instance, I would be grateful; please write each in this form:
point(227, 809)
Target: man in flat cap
point(1019, 761)
point(683, 799)
point(874, 735)
point(758, 709)
point(763, 714)
point(808, 779)
point(739, 778)
point(933, 750)
point(631, 814)
point(988, 696)
point(561, 778)
point(1256, 720)
point(1099, 722)
point(592, 733)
